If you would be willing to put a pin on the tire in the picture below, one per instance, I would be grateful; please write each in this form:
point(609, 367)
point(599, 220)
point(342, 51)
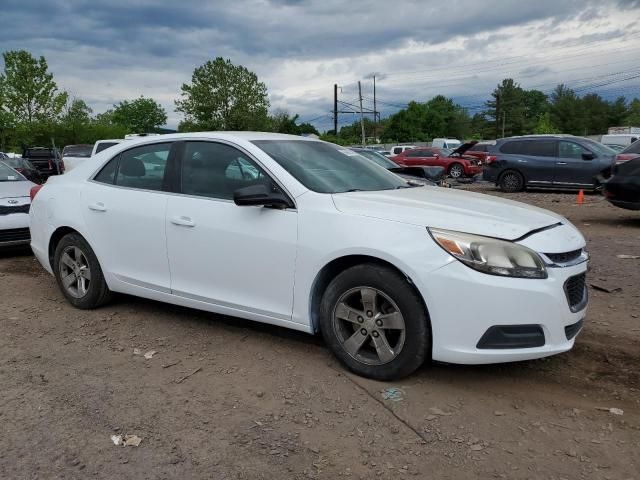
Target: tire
point(368, 298)
point(78, 273)
point(456, 170)
point(511, 181)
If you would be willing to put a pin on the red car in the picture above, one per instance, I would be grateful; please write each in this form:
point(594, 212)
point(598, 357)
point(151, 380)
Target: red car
point(481, 151)
point(456, 164)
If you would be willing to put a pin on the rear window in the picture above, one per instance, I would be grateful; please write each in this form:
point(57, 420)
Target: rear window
point(536, 148)
point(81, 151)
point(104, 145)
point(633, 148)
point(39, 153)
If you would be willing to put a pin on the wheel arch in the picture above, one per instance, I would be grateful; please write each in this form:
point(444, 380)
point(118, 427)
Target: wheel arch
point(338, 265)
point(454, 163)
point(511, 169)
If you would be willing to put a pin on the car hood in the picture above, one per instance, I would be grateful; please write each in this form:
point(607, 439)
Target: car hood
point(449, 209)
point(15, 189)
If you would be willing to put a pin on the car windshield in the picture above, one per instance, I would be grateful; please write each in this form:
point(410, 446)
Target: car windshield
point(81, 151)
point(327, 168)
point(378, 158)
point(8, 174)
point(633, 148)
point(599, 148)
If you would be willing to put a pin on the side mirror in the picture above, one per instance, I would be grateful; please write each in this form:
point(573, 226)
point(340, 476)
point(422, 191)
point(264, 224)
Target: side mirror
point(588, 156)
point(260, 195)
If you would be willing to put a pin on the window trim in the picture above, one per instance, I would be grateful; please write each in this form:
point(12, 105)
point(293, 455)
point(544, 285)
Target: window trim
point(171, 158)
point(272, 177)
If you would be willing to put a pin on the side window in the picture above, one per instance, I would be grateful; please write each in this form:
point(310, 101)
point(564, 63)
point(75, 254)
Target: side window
point(571, 150)
point(416, 153)
point(108, 172)
point(216, 170)
point(512, 147)
point(143, 167)
point(397, 150)
point(540, 148)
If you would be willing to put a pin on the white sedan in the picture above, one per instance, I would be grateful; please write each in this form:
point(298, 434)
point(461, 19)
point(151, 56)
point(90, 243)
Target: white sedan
point(14, 207)
point(311, 236)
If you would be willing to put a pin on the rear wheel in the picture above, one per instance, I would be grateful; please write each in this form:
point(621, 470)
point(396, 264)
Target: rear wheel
point(375, 322)
point(456, 171)
point(511, 181)
point(78, 273)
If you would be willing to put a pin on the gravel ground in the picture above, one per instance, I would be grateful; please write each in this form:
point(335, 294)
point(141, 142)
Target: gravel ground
point(227, 398)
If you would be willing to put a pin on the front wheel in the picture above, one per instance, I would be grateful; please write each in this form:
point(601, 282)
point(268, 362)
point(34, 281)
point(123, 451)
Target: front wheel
point(78, 273)
point(375, 322)
point(456, 171)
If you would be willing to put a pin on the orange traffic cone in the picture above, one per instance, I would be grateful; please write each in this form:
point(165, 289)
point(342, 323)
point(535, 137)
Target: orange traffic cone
point(580, 199)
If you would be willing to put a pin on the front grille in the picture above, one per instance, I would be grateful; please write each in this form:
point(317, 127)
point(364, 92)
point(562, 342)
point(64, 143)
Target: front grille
point(14, 235)
point(564, 257)
point(576, 292)
point(9, 209)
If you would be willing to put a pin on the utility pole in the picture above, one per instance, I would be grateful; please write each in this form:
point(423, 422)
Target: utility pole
point(335, 108)
point(375, 112)
point(361, 114)
point(498, 112)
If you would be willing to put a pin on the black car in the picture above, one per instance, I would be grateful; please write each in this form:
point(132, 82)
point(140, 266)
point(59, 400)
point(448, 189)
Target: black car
point(423, 174)
point(623, 188)
point(24, 167)
point(549, 161)
point(46, 160)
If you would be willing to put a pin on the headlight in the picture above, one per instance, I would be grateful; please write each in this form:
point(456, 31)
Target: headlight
point(489, 255)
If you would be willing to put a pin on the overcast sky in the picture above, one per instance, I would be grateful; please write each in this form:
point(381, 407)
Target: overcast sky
point(105, 52)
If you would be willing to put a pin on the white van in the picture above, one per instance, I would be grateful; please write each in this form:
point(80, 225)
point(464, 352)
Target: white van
point(451, 143)
point(398, 149)
point(624, 139)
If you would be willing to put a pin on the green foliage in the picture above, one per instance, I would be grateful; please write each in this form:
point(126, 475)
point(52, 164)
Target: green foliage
point(29, 93)
point(142, 115)
point(223, 96)
point(545, 125)
point(633, 113)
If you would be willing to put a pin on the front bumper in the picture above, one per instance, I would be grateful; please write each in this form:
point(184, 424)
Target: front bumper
point(14, 230)
point(478, 302)
point(472, 170)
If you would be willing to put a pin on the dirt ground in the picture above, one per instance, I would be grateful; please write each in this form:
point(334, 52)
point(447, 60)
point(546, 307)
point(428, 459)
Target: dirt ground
point(266, 403)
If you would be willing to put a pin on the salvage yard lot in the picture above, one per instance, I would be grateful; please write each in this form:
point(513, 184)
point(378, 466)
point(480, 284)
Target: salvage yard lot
point(264, 402)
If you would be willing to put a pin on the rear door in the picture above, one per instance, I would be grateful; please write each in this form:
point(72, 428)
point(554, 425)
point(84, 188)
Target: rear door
point(125, 211)
point(417, 157)
point(573, 169)
point(535, 159)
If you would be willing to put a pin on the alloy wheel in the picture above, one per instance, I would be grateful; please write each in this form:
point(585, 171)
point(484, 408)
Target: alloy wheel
point(456, 171)
point(75, 273)
point(369, 325)
point(511, 181)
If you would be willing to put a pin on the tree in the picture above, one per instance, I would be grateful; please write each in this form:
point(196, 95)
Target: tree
point(29, 92)
point(544, 125)
point(282, 122)
point(566, 111)
point(224, 96)
point(536, 105)
point(507, 108)
point(76, 120)
point(595, 114)
point(142, 115)
point(633, 113)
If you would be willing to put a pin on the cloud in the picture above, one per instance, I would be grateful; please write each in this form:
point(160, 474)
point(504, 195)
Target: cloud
point(105, 52)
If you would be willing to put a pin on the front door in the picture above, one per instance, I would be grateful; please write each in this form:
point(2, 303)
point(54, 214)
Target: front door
point(125, 209)
point(240, 258)
point(572, 168)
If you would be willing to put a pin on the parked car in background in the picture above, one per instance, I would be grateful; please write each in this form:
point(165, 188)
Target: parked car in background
point(398, 149)
point(46, 160)
point(420, 175)
point(24, 167)
point(321, 240)
point(101, 145)
point(72, 155)
point(549, 161)
point(623, 188)
point(14, 207)
point(457, 165)
point(451, 143)
point(480, 150)
point(629, 153)
point(623, 139)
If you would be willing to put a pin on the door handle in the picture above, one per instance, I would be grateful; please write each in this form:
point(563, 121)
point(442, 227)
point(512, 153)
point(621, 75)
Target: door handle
point(183, 221)
point(97, 207)
point(561, 163)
